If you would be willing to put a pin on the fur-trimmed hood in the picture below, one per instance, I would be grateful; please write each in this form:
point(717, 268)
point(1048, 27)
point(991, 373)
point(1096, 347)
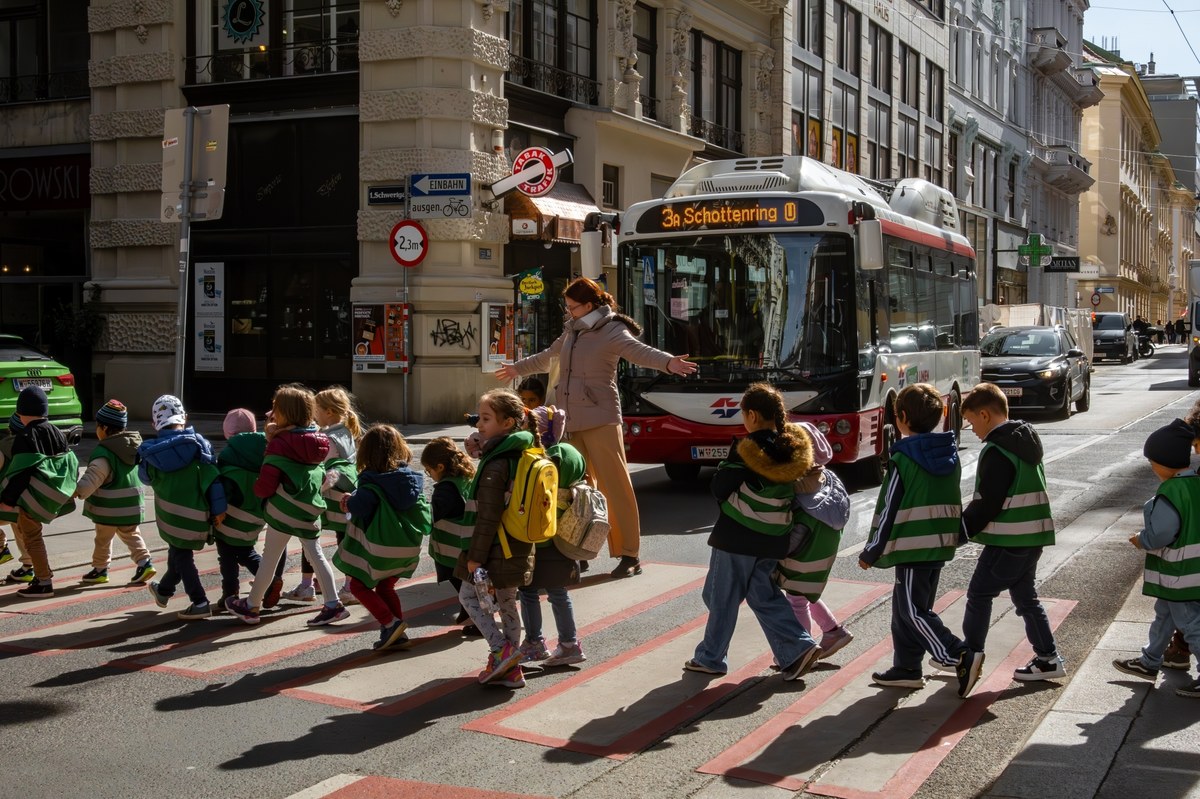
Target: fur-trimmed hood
point(779, 457)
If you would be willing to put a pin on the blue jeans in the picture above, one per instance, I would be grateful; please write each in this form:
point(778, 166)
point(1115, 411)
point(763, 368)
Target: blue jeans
point(1168, 617)
point(732, 579)
point(181, 567)
point(560, 605)
point(1011, 569)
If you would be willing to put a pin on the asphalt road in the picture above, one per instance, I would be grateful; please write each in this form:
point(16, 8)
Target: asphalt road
point(125, 712)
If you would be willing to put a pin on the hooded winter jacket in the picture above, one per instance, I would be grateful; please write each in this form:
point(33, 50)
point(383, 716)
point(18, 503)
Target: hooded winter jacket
point(388, 520)
point(487, 490)
point(588, 351)
point(110, 487)
point(919, 507)
point(180, 467)
point(1011, 506)
point(239, 464)
point(290, 481)
point(755, 489)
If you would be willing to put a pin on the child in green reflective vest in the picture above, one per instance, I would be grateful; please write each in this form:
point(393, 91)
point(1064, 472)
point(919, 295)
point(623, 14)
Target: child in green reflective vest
point(112, 495)
point(1171, 541)
point(180, 468)
point(755, 488)
point(387, 519)
point(1009, 515)
point(915, 529)
point(24, 572)
point(38, 484)
point(451, 471)
point(290, 486)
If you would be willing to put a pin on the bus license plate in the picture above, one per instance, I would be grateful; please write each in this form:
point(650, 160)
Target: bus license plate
point(20, 383)
point(710, 453)
point(1012, 392)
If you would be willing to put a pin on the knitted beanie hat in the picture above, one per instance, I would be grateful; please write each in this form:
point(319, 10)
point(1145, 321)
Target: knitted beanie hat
point(1171, 446)
point(113, 414)
point(167, 410)
point(239, 420)
point(32, 402)
point(822, 452)
point(15, 425)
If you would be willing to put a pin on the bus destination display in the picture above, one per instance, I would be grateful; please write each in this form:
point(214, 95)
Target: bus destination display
point(730, 214)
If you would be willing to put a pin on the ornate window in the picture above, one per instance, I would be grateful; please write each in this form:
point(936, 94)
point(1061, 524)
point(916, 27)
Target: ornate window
point(645, 33)
point(715, 92)
point(553, 48)
point(43, 50)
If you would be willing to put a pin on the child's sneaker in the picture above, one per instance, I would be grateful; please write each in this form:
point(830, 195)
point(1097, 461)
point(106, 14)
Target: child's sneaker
point(566, 654)
point(697, 666)
point(532, 651)
point(896, 677)
point(196, 610)
point(1137, 668)
point(142, 573)
point(968, 671)
point(834, 640)
point(36, 590)
point(1041, 669)
point(345, 597)
point(219, 607)
point(943, 665)
point(514, 679)
point(803, 664)
point(95, 576)
point(392, 635)
point(22, 574)
point(241, 608)
point(1191, 690)
point(159, 599)
point(1176, 656)
point(302, 593)
point(5, 554)
point(274, 591)
point(500, 662)
point(329, 615)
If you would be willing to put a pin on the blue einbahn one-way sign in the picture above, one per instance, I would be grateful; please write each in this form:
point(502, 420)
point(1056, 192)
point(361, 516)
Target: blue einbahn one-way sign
point(440, 185)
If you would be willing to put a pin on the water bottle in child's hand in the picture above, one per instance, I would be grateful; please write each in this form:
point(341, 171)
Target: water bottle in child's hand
point(483, 590)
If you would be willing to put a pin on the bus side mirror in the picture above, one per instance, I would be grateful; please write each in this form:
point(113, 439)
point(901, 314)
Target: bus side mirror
point(870, 244)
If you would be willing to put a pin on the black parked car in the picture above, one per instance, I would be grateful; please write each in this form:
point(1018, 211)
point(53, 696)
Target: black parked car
point(1038, 368)
point(1113, 336)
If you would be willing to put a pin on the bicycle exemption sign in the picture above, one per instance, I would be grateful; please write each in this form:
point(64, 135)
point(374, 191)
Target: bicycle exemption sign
point(440, 196)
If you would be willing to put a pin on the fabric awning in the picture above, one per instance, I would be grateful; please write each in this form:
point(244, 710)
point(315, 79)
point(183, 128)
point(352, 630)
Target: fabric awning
point(556, 216)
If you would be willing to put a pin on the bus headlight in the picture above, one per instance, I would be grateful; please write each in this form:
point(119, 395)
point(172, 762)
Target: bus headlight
point(823, 427)
point(842, 428)
point(635, 429)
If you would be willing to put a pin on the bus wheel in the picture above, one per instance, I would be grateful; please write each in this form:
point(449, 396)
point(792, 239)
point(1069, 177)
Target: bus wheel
point(682, 472)
point(956, 417)
point(875, 468)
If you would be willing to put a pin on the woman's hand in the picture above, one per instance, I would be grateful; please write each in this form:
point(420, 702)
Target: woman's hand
point(679, 365)
point(506, 372)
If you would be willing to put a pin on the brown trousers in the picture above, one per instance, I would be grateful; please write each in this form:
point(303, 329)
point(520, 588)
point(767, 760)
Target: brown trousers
point(604, 450)
point(29, 539)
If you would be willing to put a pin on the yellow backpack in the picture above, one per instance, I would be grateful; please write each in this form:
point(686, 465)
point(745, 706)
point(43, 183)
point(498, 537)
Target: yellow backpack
point(531, 511)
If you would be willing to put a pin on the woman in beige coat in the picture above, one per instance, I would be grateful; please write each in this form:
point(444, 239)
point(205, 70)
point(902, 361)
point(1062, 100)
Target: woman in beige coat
point(595, 338)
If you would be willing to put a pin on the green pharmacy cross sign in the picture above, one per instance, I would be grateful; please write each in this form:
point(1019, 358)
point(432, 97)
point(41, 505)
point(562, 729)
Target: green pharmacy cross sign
point(1034, 253)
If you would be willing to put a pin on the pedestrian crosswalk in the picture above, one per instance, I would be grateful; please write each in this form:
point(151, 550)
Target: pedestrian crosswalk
point(841, 736)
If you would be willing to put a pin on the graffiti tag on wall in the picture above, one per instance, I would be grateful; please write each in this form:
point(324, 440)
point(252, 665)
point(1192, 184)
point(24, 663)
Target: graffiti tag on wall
point(453, 333)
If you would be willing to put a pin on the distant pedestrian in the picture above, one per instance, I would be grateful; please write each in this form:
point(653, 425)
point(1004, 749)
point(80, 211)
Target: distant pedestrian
point(387, 521)
point(188, 500)
point(1158, 333)
point(755, 486)
point(1181, 331)
point(112, 495)
point(1171, 540)
point(1010, 516)
point(916, 530)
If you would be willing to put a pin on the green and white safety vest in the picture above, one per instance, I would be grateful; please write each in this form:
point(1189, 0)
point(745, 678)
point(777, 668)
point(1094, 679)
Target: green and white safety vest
point(50, 486)
point(1024, 519)
point(181, 503)
point(118, 501)
point(333, 519)
point(297, 510)
point(929, 517)
point(6, 516)
point(389, 545)
point(243, 521)
point(1173, 572)
point(451, 536)
point(806, 571)
point(765, 509)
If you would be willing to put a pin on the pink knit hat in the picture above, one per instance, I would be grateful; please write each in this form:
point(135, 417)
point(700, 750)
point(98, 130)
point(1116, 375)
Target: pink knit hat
point(822, 452)
point(239, 420)
point(550, 421)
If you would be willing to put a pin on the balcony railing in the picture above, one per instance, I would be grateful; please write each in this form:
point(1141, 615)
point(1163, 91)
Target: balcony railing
point(649, 107)
point(294, 59)
point(1049, 51)
point(543, 78)
point(46, 86)
point(711, 132)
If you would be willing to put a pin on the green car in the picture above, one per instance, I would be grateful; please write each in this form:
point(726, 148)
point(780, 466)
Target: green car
point(21, 365)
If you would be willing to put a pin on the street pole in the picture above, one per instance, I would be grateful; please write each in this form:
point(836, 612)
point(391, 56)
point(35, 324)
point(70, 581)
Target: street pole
point(186, 189)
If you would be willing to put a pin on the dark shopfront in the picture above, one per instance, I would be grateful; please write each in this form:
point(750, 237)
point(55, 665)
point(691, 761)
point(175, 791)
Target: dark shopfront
point(273, 275)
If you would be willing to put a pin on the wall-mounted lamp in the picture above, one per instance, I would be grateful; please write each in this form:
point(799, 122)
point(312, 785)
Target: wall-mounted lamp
point(574, 248)
point(548, 244)
point(497, 141)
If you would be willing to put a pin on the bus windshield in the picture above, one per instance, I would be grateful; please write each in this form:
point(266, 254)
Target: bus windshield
point(746, 306)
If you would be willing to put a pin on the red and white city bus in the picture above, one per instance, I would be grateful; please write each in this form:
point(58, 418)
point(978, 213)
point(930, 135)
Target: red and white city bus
point(837, 290)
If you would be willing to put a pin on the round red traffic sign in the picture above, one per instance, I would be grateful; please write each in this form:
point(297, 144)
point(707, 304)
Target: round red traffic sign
point(1095, 298)
point(538, 163)
point(409, 243)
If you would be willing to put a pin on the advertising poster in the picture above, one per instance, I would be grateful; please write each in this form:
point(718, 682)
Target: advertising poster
point(210, 289)
point(210, 344)
point(498, 339)
point(380, 335)
point(397, 336)
point(367, 334)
